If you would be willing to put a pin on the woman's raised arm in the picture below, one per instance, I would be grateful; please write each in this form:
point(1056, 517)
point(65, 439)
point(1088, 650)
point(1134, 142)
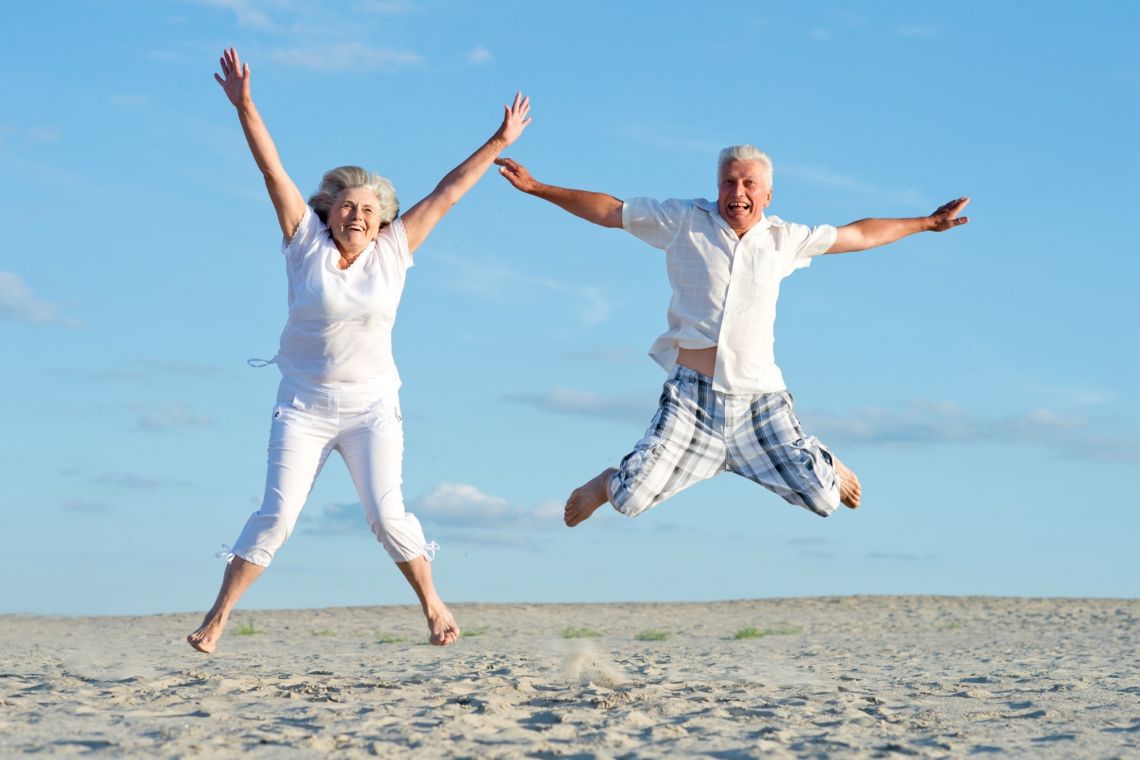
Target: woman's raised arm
point(422, 217)
point(287, 199)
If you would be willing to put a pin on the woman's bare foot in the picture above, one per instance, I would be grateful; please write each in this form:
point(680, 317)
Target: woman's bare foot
point(586, 499)
point(849, 489)
point(205, 639)
point(237, 579)
point(442, 626)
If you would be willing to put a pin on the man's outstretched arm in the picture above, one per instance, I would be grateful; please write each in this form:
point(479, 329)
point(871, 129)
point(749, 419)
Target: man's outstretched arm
point(598, 208)
point(871, 233)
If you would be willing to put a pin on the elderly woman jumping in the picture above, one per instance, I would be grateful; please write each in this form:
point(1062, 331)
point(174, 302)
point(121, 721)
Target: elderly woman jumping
point(347, 252)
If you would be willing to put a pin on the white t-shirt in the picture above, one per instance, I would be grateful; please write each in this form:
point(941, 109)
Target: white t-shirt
point(340, 320)
point(724, 287)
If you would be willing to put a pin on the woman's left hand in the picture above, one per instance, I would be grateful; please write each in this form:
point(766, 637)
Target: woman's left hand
point(516, 117)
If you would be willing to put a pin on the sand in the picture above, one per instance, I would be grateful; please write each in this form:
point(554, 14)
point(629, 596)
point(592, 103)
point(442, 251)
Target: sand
point(821, 677)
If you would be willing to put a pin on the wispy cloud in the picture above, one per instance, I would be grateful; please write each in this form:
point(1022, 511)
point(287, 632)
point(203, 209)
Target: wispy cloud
point(614, 355)
point(338, 517)
point(87, 507)
point(819, 176)
point(655, 138)
point(479, 55)
point(936, 422)
point(385, 7)
point(128, 100)
point(128, 481)
point(183, 369)
point(495, 282)
point(348, 55)
point(45, 134)
point(575, 402)
point(19, 304)
point(921, 31)
point(158, 419)
point(900, 556)
point(462, 511)
point(248, 13)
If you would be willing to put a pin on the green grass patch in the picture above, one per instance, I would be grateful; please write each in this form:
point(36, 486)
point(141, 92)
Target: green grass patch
point(651, 636)
point(247, 629)
point(752, 632)
point(580, 633)
point(387, 638)
point(471, 633)
point(323, 632)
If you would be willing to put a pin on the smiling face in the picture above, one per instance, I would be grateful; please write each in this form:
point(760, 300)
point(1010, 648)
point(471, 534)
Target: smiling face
point(354, 219)
point(743, 195)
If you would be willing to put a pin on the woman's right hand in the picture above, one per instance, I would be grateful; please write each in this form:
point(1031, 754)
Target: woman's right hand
point(235, 77)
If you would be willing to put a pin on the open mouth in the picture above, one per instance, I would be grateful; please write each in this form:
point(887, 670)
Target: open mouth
point(739, 206)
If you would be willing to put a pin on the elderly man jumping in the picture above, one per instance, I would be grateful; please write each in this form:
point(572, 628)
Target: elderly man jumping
point(724, 406)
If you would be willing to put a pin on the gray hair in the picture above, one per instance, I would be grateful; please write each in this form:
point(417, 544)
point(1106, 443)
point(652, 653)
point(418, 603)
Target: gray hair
point(342, 178)
point(744, 153)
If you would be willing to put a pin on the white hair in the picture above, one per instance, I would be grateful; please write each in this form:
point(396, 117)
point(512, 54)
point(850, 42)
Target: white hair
point(744, 153)
point(342, 178)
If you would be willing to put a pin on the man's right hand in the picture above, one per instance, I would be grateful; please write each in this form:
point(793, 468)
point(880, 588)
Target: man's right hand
point(517, 174)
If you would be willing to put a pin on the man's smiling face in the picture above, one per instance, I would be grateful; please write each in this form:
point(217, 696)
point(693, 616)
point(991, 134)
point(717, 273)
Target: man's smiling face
point(743, 195)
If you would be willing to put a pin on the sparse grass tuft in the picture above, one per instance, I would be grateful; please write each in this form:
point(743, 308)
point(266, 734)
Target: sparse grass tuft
point(472, 632)
point(651, 636)
point(247, 629)
point(387, 638)
point(580, 633)
point(323, 632)
point(752, 632)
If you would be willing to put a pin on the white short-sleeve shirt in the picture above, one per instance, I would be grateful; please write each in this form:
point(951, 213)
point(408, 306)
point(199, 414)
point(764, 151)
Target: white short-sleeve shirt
point(724, 287)
point(340, 320)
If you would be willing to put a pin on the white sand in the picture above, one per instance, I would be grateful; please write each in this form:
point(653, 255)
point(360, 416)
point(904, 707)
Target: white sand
point(834, 677)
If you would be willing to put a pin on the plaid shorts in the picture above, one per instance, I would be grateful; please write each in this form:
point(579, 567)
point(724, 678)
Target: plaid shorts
point(699, 432)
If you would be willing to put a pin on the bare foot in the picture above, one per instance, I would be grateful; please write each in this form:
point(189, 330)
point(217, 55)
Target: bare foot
point(849, 489)
point(444, 630)
point(205, 639)
point(587, 498)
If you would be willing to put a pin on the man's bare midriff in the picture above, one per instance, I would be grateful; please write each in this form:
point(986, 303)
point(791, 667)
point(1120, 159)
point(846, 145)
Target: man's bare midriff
point(703, 360)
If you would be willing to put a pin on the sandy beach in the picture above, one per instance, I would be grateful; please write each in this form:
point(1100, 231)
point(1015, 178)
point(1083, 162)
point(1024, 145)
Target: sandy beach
point(817, 677)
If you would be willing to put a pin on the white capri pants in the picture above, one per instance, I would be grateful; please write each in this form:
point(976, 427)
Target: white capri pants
point(364, 425)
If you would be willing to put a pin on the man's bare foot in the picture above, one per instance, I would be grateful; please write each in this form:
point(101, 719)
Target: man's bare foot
point(586, 499)
point(205, 639)
point(849, 489)
point(444, 630)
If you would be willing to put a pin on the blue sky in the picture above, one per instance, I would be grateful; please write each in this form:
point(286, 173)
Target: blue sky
point(982, 382)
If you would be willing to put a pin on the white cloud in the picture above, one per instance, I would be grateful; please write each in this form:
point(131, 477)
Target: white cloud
point(819, 176)
point(349, 55)
point(497, 283)
point(670, 143)
point(19, 304)
point(479, 55)
point(133, 482)
point(159, 419)
point(933, 422)
point(570, 401)
point(87, 507)
point(247, 12)
point(916, 30)
point(45, 134)
point(128, 101)
point(465, 504)
point(462, 511)
point(385, 7)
